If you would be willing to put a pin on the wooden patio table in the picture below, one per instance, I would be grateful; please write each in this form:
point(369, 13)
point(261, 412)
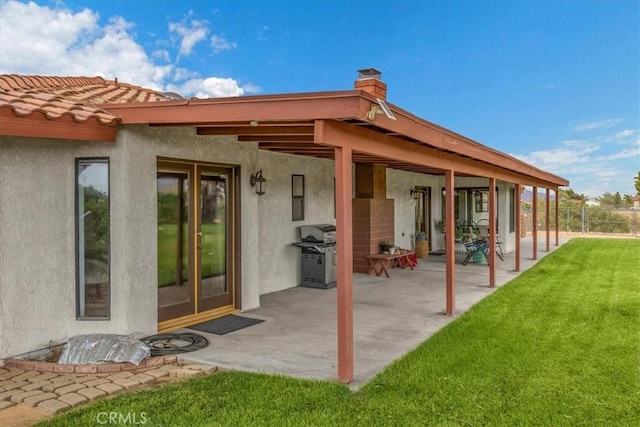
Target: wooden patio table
point(378, 263)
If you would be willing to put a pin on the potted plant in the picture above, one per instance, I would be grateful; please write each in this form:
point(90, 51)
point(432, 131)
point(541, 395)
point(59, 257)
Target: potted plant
point(385, 246)
point(422, 245)
point(440, 224)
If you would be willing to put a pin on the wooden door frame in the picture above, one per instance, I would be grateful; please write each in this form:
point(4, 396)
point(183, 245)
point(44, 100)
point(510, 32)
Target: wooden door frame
point(200, 171)
point(234, 261)
point(178, 310)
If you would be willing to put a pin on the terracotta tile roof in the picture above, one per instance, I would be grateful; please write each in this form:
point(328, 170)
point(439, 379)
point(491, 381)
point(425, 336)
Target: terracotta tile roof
point(52, 98)
point(86, 90)
point(53, 107)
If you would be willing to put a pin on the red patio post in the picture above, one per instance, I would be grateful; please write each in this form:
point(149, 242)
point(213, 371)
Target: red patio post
point(450, 244)
point(534, 232)
point(492, 232)
point(548, 218)
point(344, 262)
point(557, 217)
point(518, 230)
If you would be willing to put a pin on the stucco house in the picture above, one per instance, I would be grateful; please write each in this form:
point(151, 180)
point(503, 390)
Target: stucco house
point(127, 210)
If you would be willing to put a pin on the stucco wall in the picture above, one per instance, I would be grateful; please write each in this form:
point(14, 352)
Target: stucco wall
point(37, 254)
point(399, 185)
point(37, 231)
point(279, 261)
point(37, 227)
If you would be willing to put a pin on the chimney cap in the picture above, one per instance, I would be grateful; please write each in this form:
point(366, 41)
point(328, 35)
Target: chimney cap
point(369, 73)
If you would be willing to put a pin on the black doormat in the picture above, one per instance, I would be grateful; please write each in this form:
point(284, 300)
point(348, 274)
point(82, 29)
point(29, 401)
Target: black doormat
point(225, 324)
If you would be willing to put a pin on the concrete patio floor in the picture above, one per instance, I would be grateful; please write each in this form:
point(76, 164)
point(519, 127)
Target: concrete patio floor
point(391, 317)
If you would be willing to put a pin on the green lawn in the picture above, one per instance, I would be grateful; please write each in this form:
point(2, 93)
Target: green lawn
point(559, 345)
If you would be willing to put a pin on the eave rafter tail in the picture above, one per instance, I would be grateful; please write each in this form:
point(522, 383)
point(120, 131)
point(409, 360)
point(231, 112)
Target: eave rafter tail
point(340, 134)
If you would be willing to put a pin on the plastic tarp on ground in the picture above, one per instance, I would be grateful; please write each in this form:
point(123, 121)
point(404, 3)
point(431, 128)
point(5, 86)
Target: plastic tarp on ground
point(103, 348)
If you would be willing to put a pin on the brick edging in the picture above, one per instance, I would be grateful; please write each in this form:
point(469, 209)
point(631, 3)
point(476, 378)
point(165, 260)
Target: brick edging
point(90, 368)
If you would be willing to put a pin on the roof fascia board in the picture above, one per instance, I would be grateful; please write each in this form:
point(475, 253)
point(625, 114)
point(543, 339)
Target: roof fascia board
point(338, 134)
point(192, 112)
point(33, 127)
point(431, 134)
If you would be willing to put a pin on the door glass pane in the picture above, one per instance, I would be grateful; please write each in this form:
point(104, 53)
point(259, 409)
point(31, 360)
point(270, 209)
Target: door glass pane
point(92, 221)
point(213, 238)
point(173, 238)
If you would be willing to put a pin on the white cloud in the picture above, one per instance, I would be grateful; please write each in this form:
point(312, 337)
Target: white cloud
point(220, 44)
point(190, 34)
point(626, 138)
point(624, 154)
point(601, 177)
point(597, 124)
point(249, 88)
point(34, 36)
point(181, 74)
point(214, 87)
point(556, 159)
point(40, 40)
point(57, 41)
point(162, 54)
point(592, 169)
point(210, 87)
point(622, 135)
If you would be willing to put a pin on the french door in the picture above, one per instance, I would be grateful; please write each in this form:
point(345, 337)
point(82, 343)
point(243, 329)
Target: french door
point(195, 238)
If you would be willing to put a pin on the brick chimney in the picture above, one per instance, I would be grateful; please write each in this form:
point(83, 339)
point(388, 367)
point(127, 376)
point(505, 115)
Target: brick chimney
point(373, 213)
point(369, 81)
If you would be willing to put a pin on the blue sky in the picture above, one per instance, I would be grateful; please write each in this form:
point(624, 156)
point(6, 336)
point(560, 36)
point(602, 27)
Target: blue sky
point(555, 83)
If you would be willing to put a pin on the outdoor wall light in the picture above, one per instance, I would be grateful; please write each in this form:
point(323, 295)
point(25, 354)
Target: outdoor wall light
point(415, 193)
point(260, 182)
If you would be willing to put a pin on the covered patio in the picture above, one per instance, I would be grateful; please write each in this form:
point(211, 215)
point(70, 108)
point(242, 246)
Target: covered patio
point(360, 128)
point(391, 317)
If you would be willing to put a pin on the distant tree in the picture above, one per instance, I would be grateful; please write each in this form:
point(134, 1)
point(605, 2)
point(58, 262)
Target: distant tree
point(96, 224)
point(570, 195)
point(168, 208)
point(637, 184)
point(610, 200)
point(605, 221)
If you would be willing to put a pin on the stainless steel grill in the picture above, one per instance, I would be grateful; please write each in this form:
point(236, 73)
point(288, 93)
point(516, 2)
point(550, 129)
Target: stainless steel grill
point(318, 255)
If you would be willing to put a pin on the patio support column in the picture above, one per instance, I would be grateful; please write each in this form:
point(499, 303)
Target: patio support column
point(547, 206)
point(344, 262)
point(492, 232)
point(534, 232)
point(450, 244)
point(557, 217)
point(518, 224)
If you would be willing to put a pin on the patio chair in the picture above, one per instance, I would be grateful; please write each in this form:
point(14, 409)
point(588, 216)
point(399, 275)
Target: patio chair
point(475, 246)
point(483, 227)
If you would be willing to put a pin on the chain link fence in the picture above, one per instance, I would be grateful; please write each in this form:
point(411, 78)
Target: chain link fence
point(586, 220)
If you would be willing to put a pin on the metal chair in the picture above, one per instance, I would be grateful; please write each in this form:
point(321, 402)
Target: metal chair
point(473, 247)
point(483, 227)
